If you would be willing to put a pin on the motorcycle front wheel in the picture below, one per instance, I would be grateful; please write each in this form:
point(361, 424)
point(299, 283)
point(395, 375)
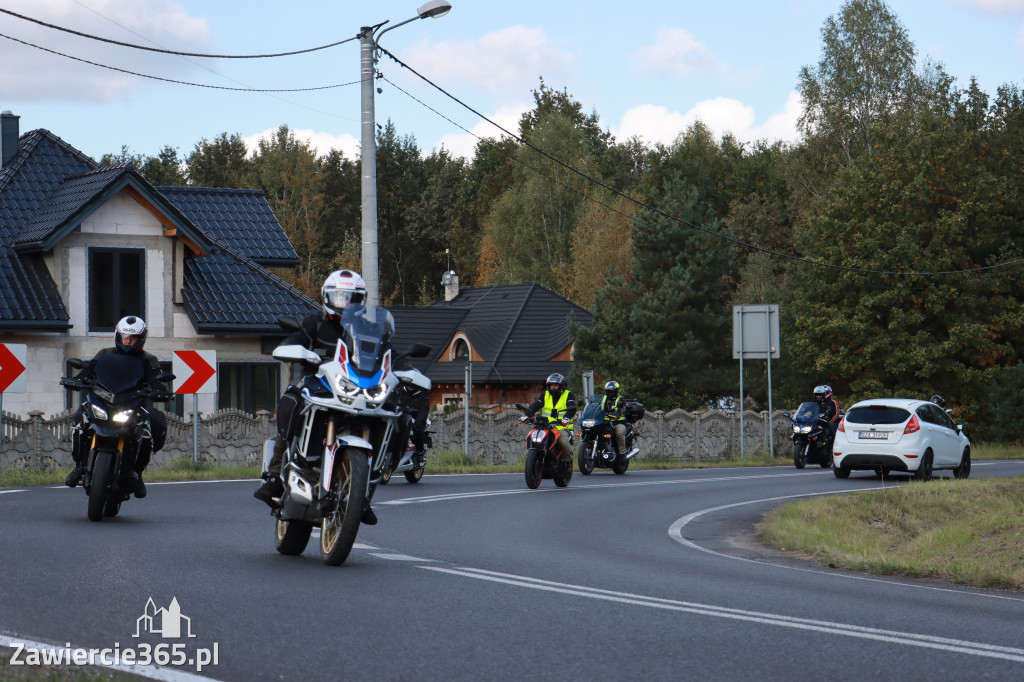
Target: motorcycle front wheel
point(102, 474)
point(534, 468)
point(416, 473)
point(564, 473)
point(620, 467)
point(341, 523)
point(586, 458)
point(800, 455)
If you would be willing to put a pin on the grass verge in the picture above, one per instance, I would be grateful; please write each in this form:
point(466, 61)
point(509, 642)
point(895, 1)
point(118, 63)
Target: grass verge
point(967, 532)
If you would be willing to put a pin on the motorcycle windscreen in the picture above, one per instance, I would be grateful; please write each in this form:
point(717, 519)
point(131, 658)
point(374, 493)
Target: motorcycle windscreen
point(120, 374)
point(808, 412)
point(369, 337)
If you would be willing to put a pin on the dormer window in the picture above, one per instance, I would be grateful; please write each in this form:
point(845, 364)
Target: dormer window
point(461, 349)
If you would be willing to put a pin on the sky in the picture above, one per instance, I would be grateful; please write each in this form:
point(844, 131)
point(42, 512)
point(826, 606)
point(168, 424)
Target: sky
point(648, 68)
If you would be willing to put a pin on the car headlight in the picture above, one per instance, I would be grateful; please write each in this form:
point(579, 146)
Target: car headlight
point(98, 412)
point(123, 416)
point(588, 423)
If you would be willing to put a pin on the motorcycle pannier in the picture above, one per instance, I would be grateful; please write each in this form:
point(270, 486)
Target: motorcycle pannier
point(634, 411)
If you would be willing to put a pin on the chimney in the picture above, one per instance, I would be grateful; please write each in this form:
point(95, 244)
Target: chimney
point(450, 280)
point(8, 137)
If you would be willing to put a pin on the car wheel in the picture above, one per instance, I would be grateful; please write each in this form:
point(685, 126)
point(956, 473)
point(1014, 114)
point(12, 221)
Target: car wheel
point(841, 472)
point(964, 470)
point(924, 470)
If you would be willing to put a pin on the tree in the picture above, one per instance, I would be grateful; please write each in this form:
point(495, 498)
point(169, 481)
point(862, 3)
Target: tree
point(221, 163)
point(661, 330)
point(600, 247)
point(165, 168)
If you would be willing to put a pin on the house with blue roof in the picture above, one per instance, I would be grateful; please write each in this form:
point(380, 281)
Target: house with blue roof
point(82, 245)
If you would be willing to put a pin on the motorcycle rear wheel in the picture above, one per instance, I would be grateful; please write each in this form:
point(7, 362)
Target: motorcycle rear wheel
point(291, 537)
point(341, 524)
point(385, 474)
point(620, 467)
point(586, 458)
point(102, 474)
point(800, 455)
point(415, 474)
point(534, 469)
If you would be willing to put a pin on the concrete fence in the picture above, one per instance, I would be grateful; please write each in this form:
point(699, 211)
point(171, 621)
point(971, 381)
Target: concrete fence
point(232, 437)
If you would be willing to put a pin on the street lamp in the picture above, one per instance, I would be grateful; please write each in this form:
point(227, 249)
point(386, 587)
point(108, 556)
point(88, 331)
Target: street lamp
point(368, 37)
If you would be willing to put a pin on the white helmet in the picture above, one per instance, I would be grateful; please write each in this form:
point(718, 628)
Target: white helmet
point(341, 289)
point(130, 334)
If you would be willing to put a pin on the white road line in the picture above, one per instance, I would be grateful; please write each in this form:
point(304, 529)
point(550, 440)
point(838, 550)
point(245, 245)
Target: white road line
point(398, 557)
point(675, 531)
point(152, 672)
point(11, 491)
point(829, 627)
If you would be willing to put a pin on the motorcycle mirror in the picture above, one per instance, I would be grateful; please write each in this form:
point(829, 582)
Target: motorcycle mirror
point(788, 416)
point(164, 376)
point(289, 323)
point(417, 350)
point(76, 363)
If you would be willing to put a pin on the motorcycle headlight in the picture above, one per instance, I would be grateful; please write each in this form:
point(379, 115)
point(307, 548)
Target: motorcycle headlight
point(123, 416)
point(539, 436)
point(377, 393)
point(805, 429)
point(588, 423)
point(344, 386)
point(98, 412)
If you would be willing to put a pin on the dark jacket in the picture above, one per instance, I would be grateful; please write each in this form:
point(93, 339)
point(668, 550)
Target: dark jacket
point(829, 410)
point(152, 365)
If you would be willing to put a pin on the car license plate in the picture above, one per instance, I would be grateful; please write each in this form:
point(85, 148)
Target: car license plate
point(876, 435)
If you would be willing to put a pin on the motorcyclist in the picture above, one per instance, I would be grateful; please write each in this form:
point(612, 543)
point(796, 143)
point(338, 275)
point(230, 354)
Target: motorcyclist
point(828, 408)
point(341, 289)
point(130, 335)
point(557, 403)
point(938, 400)
point(614, 408)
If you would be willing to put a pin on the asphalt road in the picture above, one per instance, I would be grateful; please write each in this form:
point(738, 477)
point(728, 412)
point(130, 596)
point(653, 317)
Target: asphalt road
point(650, 575)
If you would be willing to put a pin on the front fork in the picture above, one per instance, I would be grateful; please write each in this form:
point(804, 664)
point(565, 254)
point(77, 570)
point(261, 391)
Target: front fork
point(334, 441)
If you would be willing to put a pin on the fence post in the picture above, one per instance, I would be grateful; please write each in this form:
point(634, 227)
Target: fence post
point(37, 417)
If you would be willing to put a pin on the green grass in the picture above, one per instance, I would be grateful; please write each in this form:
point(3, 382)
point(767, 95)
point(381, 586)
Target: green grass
point(967, 532)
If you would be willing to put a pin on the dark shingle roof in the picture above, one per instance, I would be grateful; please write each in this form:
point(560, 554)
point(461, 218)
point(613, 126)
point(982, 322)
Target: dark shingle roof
point(238, 218)
point(47, 189)
point(516, 329)
point(227, 293)
point(28, 295)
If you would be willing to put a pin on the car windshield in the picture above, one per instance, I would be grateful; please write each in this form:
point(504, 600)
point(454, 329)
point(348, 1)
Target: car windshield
point(877, 414)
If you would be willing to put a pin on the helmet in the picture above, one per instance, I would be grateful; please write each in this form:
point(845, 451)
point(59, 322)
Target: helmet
point(340, 289)
point(555, 379)
point(822, 393)
point(938, 400)
point(611, 390)
point(130, 334)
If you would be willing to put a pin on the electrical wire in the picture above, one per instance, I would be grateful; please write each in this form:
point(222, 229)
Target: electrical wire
point(171, 80)
point(738, 242)
point(163, 51)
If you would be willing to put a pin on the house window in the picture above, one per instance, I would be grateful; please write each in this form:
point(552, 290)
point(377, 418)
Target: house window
point(461, 349)
point(249, 387)
point(117, 286)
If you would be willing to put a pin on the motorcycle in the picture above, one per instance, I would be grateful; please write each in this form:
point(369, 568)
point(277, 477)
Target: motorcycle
point(544, 457)
point(408, 464)
point(116, 421)
point(347, 416)
point(598, 434)
point(812, 437)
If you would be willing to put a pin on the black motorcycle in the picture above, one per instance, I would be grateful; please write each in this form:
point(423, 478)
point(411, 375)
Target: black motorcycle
point(598, 435)
point(116, 420)
point(812, 436)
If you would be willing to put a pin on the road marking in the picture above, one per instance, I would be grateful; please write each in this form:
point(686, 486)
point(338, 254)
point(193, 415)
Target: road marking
point(11, 491)
point(675, 531)
point(829, 627)
point(596, 486)
point(398, 557)
point(152, 672)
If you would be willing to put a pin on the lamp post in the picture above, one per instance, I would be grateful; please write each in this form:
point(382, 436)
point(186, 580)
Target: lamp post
point(368, 37)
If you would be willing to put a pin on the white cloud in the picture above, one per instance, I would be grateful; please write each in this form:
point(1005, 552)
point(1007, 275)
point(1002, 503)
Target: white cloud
point(464, 144)
point(657, 124)
point(43, 75)
point(321, 142)
point(995, 6)
point(677, 52)
point(507, 61)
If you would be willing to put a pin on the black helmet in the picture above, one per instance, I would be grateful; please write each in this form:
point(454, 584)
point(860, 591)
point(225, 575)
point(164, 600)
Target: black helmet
point(611, 390)
point(555, 383)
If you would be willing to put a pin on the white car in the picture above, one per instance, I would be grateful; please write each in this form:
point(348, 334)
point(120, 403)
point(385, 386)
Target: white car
point(892, 434)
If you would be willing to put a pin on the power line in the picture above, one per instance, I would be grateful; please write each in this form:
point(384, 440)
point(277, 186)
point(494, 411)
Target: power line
point(664, 214)
point(171, 80)
point(175, 52)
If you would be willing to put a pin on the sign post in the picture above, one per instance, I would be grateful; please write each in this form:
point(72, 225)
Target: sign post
point(194, 372)
point(13, 358)
point(755, 334)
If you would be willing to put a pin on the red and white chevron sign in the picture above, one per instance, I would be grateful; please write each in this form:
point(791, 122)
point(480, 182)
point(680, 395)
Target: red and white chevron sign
point(194, 371)
point(13, 358)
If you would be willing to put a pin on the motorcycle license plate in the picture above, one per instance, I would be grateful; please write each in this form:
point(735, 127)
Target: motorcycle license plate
point(874, 435)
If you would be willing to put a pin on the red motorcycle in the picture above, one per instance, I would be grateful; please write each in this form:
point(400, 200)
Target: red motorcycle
point(543, 457)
